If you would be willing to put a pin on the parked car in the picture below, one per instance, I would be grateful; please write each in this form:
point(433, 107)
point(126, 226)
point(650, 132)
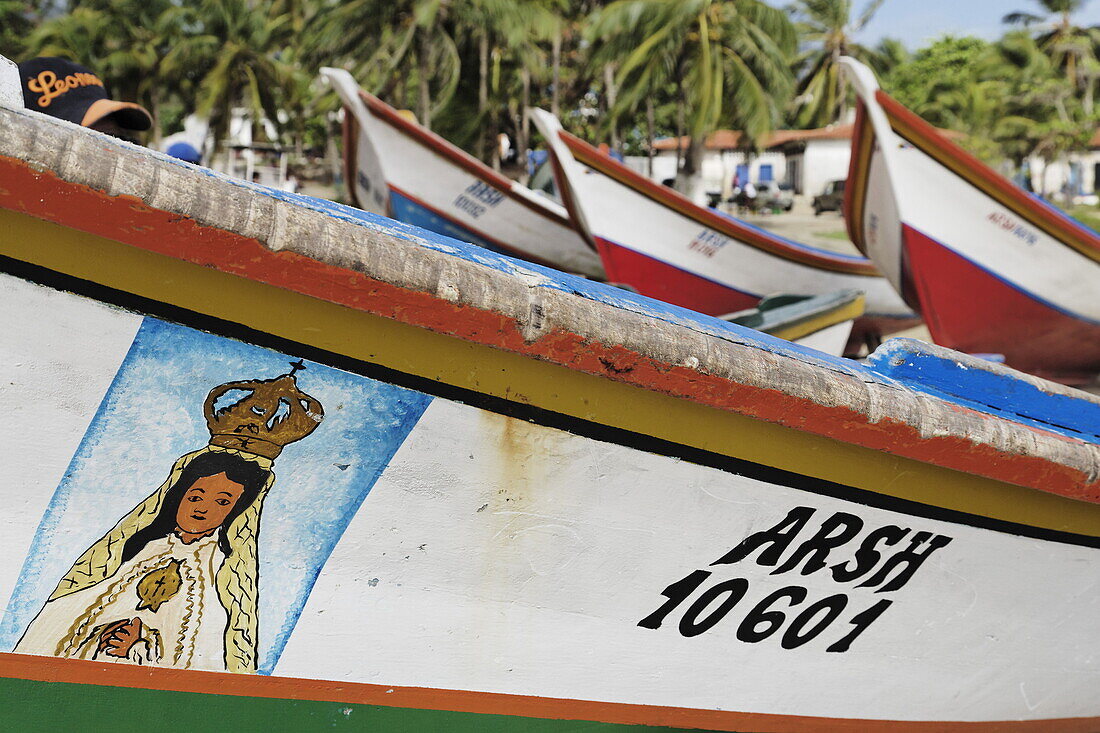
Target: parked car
point(830, 199)
point(775, 196)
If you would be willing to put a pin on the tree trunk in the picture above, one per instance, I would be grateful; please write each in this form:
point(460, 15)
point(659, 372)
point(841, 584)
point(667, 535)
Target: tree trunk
point(679, 124)
point(523, 135)
point(482, 91)
point(692, 185)
point(650, 134)
point(424, 103)
point(336, 168)
point(555, 93)
point(841, 88)
point(612, 93)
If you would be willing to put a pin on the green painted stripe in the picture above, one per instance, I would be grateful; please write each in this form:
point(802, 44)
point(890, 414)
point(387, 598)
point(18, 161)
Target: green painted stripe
point(62, 706)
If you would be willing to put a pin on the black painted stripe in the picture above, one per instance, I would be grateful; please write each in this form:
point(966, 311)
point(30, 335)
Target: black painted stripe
point(542, 416)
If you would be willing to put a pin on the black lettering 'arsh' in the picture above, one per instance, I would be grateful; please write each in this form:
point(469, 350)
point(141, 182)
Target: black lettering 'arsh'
point(779, 537)
point(908, 559)
point(886, 572)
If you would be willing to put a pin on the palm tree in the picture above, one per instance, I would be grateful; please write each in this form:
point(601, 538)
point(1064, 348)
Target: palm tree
point(17, 18)
point(728, 61)
point(827, 28)
point(1043, 115)
point(1071, 47)
point(239, 62)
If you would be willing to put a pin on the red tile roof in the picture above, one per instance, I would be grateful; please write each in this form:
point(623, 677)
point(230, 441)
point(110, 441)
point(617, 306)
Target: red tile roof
point(729, 139)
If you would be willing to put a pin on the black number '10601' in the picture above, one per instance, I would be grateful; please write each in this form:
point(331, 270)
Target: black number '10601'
point(765, 618)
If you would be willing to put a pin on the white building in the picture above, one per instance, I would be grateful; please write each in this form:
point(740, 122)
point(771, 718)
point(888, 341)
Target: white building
point(1074, 179)
point(808, 159)
point(804, 159)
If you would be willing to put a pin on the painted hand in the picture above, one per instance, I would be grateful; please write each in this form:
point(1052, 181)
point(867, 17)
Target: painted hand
point(118, 638)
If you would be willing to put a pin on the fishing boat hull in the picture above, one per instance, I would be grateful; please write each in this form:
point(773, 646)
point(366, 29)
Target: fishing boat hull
point(496, 496)
point(662, 245)
point(990, 268)
point(394, 167)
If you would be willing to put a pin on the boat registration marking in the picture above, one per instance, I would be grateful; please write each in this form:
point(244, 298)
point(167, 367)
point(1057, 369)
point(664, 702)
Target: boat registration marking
point(477, 198)
point(1009, 224)
point(708, 243)
point(892, 571)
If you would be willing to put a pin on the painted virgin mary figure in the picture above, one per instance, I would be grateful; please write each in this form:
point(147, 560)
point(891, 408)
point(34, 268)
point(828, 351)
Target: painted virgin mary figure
point(175, 582)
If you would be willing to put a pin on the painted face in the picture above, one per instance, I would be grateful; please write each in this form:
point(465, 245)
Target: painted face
point(207, 503)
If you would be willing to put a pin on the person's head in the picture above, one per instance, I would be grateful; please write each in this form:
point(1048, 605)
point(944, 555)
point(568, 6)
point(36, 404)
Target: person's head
point(64, 89)
point(212, 491)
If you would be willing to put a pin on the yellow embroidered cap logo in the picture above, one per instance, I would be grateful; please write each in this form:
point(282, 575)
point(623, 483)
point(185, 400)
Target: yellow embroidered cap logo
point(50, 86)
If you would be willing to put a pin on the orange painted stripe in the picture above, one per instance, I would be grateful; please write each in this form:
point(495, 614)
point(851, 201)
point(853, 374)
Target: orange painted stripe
point(455, 155)
point(665, 196)
point(43, 195)
point(75, 671)
point(859, 172)
point(350, 130)
point(569, 201)
point(925, 137)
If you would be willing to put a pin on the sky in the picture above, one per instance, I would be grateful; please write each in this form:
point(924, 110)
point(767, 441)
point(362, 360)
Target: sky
point(917, 21)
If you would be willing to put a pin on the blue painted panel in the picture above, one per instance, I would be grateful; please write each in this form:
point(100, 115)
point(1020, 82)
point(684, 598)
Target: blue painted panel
point(410, 212)
point(916, 365)
point(766, 173)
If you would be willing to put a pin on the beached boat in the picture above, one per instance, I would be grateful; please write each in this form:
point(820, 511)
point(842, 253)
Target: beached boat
point(663, 245)
point(273, 462)
point(992, 268)
point(397, 168)
point(822, 322)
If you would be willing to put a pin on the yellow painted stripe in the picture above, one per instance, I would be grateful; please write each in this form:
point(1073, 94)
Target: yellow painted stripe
point(499, 373)
point(847, 312)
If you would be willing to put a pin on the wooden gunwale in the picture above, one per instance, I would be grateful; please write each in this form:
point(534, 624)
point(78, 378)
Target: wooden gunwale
point(591, 157)
point(58, 174)
point(153, 231)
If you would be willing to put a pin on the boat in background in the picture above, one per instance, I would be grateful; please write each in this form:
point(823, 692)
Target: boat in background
point(667, 247)
point(397, 168)
point(822, 322)
point(991, 268)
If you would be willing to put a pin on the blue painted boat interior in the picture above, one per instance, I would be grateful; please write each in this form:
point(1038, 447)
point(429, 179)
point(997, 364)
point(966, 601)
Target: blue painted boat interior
point(410, 212)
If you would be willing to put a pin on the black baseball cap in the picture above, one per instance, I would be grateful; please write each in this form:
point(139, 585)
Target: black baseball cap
point(61, 88)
